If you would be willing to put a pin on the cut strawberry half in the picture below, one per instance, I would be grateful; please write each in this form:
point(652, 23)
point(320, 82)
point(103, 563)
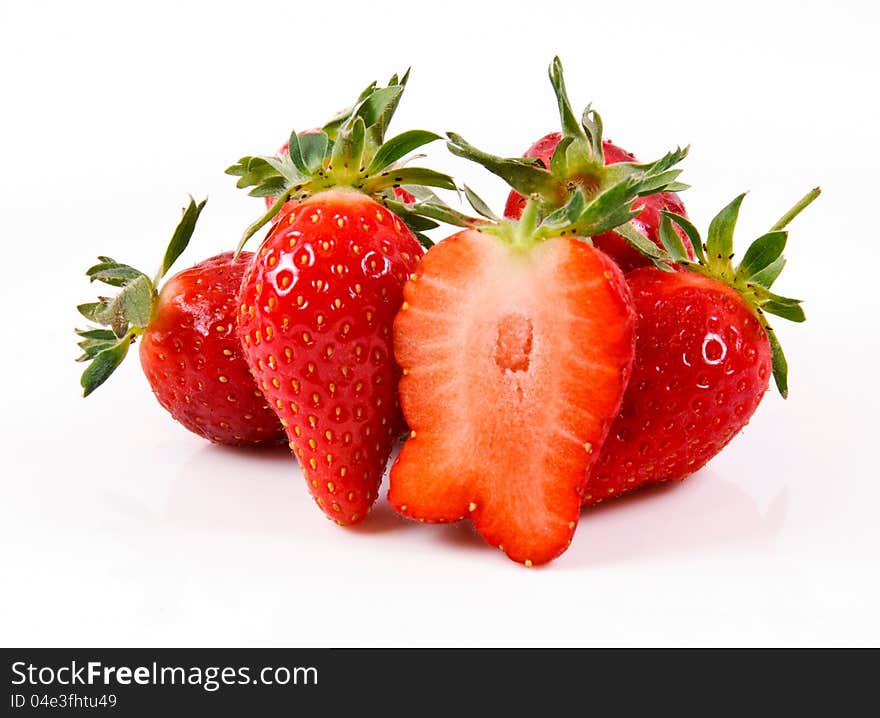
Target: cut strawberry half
point(515, 360)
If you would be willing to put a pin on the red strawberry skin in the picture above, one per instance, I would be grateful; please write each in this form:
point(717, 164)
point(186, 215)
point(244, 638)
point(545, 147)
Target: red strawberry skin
point(192, 358)
point(647, 222)
point(316, 311)
point(514, 362)
point(703, 363)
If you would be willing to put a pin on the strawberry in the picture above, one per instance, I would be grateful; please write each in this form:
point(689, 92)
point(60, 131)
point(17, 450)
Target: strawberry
point(316, 315)
point(704, 353)
point(189, 348)
point(647, 222)
point(578, 157)
point(317, 306)
point(515, 340)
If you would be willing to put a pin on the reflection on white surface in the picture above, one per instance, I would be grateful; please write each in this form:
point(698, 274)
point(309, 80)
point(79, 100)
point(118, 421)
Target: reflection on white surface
point(702, 513)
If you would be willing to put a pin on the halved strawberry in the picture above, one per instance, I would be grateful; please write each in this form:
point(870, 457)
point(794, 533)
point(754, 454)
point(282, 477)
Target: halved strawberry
point(515, 358)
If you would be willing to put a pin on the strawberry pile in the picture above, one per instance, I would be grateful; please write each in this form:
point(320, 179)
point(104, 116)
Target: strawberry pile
point(588, 342)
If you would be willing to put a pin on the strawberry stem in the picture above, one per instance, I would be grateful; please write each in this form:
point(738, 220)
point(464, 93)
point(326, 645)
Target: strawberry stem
point(801, 205)
point(528, 222)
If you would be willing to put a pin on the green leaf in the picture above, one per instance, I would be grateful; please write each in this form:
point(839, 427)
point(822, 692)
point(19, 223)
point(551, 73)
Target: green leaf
point(103, 313)
point(256, 225)
point(787, 301)
point(131, 307)
point(719, 241)
point(691, 232)
point(92, 311)
point(399, 146)
point(112, 273)
point(522, 174)
point(566, 216)
point(643, 245)
point(314, 147)
point(348, 149)
point(669, 160)
point(479, 204)
point(767, 276)
point(105, 334)
point(358, 134)
point(608, 209)
point(412, 175)
point(270, 188)
point(765, 250)
point(181, 237)
point(424, 240)
point(94, 341)
point(377, 109)
point(259, 169)
point(424, 193)
point(672, 241)
point(779, 363)
point(794, 313)
point(438, 210)
point(103, 365)
point(591, 122)
point(784, 307)
point(237, 169)
point(295, 152)
point(559, 160)
point(570, 126)
point(264, 172)
point(417, 223)
point(331, 128)
point(658, 183)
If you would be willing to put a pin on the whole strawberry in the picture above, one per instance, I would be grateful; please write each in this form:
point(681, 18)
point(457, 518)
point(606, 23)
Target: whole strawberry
point(577, 158)
point(189, 348)
point(704, 353)
point(317, 306)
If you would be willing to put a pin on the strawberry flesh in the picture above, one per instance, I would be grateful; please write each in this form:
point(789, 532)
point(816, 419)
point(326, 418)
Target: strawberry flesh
point(514, 366)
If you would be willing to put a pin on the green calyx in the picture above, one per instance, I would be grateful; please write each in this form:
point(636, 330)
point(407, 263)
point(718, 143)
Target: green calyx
point(349, 151)
point(584, 214)
point(578, 162)
point(752, 278)
point(120, 319)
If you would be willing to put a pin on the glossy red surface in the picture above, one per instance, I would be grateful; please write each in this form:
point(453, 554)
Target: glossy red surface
point(192, 358)
point(702, 366)
point(315, 320)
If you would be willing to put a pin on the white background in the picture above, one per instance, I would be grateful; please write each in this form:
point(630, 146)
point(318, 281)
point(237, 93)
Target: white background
point(117, 527)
